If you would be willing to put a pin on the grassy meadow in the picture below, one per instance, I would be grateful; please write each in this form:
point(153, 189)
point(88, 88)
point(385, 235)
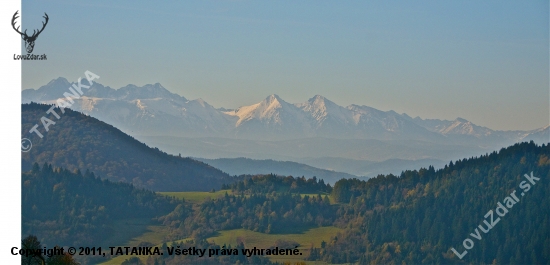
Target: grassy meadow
point(133, 232)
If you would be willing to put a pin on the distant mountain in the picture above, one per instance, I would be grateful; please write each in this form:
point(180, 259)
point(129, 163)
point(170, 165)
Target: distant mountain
point(461, 130)
point(330, 169)
point(150, 109)
point(319, 117)
point(153, 110)
point(239, 166)
point(300, 150)
point(272, 117)
point(57, 87)
point(458, 126)
point(77, 141)
point(279, 130)
point(540, 135)
point(371, 168)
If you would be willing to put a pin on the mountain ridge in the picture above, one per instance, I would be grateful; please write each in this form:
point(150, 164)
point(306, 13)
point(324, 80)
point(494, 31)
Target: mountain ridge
point(154, 110)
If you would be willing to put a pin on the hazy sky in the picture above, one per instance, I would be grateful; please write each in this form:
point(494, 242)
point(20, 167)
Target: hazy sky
point(485, 61)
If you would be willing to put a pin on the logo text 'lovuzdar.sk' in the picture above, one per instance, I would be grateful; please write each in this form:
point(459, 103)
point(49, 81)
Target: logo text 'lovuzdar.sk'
point(29, 40)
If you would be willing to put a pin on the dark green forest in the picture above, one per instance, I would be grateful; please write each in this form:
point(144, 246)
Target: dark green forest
point(416, 217)
point(262, 203)
point(64, 208)
point(74, 209)
point(31, 243)
point(78, 141)
point(265, 213)
point(420, 215)
point(247, 184)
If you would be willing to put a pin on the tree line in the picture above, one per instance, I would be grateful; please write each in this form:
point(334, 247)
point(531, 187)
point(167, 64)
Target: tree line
point(420, 215)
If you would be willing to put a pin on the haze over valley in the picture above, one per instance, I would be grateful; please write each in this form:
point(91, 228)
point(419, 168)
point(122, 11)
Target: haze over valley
point(317, 132)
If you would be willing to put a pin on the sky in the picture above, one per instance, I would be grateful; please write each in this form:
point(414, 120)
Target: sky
point(484, 61)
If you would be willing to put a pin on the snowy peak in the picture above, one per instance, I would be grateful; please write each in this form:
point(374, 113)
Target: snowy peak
point(54, 89)
point(318, 104)
point(319, 100)
point(153, 110)
point(541, 135)
point(462, 126)
point(201, 102)
point(149, 109)
point(364, 110)
point(58, 82)
point(131, 92)
point(273, 98)
point(326, 113)
point(459, 126)
point(57, 87)
point(270, 106)
point(271, 111)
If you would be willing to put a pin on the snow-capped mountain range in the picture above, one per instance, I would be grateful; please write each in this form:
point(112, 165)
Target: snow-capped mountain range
point(153, 110)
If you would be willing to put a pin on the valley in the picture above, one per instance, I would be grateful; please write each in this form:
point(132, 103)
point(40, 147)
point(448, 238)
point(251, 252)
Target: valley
point(87, 183)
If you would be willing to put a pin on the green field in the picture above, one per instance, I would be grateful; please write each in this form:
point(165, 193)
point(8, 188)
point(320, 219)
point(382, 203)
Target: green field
point(136, 231)
point(153, 234)
point(312, 237)
point(196, 196)
point(306, 239)
point(200, 196)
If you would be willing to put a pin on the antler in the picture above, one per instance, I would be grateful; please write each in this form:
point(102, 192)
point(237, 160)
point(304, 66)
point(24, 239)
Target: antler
point(43, 26)
point(13, 23)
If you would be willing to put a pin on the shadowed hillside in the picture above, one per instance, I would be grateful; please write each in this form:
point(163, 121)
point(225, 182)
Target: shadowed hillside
point(78, 141)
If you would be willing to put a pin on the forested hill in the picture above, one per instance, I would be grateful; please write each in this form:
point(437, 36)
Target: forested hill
point(419, 216)
point(79, 209)
point(78, 141)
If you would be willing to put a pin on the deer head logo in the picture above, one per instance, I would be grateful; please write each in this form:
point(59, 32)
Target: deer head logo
point(29, 41)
